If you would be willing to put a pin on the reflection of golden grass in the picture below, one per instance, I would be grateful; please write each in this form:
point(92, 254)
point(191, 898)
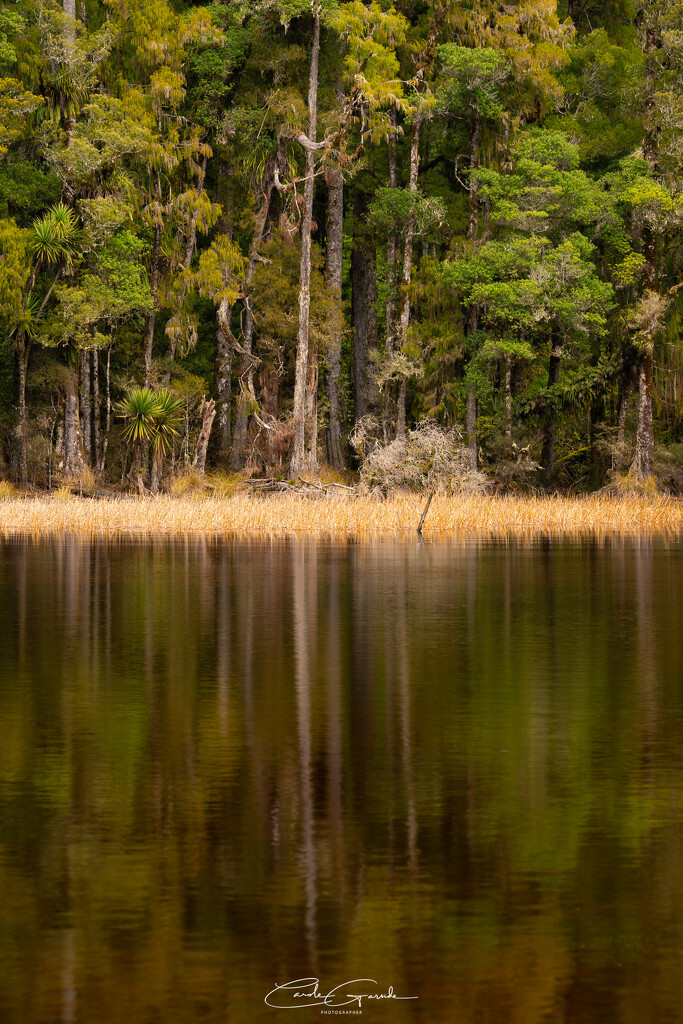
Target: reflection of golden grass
point(361, 518)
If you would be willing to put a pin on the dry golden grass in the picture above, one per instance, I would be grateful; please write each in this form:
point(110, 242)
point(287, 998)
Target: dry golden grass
point(342, 517)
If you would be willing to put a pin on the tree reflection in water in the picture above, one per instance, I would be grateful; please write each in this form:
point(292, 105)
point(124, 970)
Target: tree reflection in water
point(455, 770)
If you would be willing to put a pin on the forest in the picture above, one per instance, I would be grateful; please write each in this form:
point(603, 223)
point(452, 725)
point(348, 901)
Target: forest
point(278, 237)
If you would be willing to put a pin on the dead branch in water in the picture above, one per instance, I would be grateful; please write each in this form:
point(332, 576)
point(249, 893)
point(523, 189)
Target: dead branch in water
point(424, 514)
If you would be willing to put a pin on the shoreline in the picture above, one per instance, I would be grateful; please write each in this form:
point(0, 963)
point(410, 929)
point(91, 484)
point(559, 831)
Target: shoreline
point(341, 518)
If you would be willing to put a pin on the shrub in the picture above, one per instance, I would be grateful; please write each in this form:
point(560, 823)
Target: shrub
point(428, 457)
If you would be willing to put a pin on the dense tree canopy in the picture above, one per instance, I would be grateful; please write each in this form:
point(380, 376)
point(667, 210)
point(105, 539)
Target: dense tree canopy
point(304, 218)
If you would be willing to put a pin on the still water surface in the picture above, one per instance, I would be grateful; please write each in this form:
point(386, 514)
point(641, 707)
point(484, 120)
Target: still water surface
point(457, 771)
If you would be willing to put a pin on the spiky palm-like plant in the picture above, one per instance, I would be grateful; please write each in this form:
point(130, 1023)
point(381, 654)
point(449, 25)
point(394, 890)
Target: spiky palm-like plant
point(151, 422)
point(138, 408)
point(54, 236)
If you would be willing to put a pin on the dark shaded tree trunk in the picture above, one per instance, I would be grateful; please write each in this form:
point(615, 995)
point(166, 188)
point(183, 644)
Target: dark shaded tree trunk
point(86, 406)
point(153, 284)
point(548, 453)
point(508, 400)
point(645, 441)
point(207, 414)
point(471, 400)
point(391, 245)
point(335, 241)
point(472, 235)
point(471, 424)
point(390, 311)
point(302, 376)
point(597, 415)
point(107, 421)
point(372, 332)
point(359, 307)
point(96, 421)
point(21, 357)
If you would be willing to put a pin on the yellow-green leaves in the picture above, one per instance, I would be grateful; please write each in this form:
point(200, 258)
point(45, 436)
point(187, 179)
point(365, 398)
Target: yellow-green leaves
point(16, 103)
point(372, 35)
point(15, 268)
point(629, 270)
point(221, 268)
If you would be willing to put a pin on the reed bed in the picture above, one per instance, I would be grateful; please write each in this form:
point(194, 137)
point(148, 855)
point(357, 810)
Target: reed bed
point(364, 518)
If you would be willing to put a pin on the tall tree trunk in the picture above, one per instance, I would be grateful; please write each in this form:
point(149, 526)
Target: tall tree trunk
point(387, 418)
point(299, 449)
point(96, 422)
point(645, 441)
point(472, 234)
point(391, 244)
point(471, 424)
point(548, 455)
point(621, 429)
point(335, 239)
point(86, 406)
point(222, 375)
point(73, 451)
point(642, 459)
point(311, 407)
point(404, 315)
point(207, 414)
point(372, 332)
point(508, 400)
point(247, 398)
point(21, 353)
point(157, 469)
point(473, 227)
point(359, 307)
point(401, 409)
point(154, 283)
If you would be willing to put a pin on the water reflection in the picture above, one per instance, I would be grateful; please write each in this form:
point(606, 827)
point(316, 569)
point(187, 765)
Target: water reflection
point(456, 770)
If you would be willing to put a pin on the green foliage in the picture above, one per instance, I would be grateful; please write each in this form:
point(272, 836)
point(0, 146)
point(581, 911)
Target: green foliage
point(139, 410)
point(394, 210)
point(601, 84)
point(472, 79)
point(11, 26)
point(136, 151)
point(26, 190)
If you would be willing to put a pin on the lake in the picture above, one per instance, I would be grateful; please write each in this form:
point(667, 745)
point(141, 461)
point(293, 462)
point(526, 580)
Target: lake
point(452, 771)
